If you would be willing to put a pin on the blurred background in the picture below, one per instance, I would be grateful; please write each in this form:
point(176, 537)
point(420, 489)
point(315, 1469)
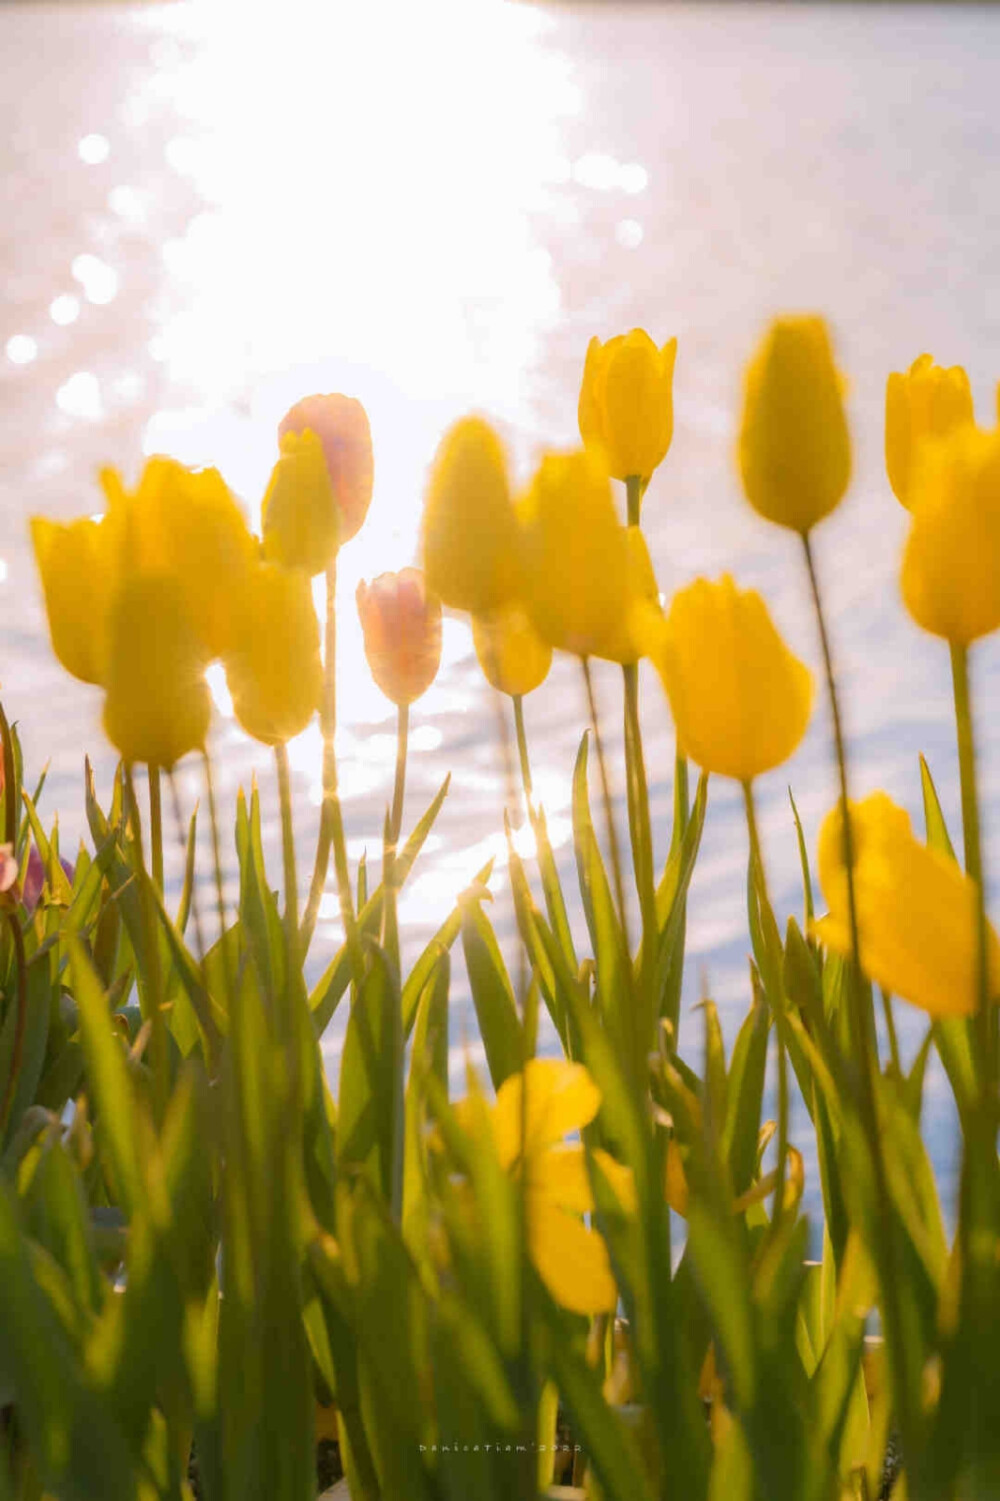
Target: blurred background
point(211, 208)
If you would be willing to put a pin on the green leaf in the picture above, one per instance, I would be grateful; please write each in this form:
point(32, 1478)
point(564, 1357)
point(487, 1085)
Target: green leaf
point(937, 830)
point(370, 1123)
point(492, 994)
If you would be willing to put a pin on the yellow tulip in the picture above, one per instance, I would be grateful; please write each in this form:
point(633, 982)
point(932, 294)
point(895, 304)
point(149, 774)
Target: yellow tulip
point(401, 622)
point(341, 424)
point(471, 541)
point(186, 523)
point(157, 706)
point(513, 656)
point(273, 670)
point(299, 517)
point(626, 405)
point(794, 447)
point(951, 562)
point(561, 1097)
point(926, 402)
point(740, 699)
point(916, 910)
point(584, 571)
point(77, 567)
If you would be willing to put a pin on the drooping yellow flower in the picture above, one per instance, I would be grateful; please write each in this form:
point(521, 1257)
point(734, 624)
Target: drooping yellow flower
point(916, 910)
point(740, 699)
point(513, 656)
point(157, 706)
point(471, 540)
point(341, 424)
point(951, 562)
point(794, 447)
point(273, 670)
point(299, 517)
point(585, 572)
point(926, 402)
point(571, 1259)
point(188, 524)
point(401, 622)
point(78, 572)
point(626, 405)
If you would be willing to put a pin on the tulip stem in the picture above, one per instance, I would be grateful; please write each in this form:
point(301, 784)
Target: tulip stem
point(399, 785)
point(11, 790)
point(390, 928)
point(633, 493)
point(20, 1022)
point(220, 893)
point(155, 825)
point(613, 846)
point(640, 832)
point(288, 849)
point(175, 799)
point(522, 751)
point(974, 856)
point(758, 882)
point(862, 1020)
point(158, 1033)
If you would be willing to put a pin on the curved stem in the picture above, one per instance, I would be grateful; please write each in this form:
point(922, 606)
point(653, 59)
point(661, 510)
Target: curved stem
point(156, 824)
point(974, 860)
point(390, 928)
point(175, 800)
point(288, 846)
point(158, 1032)
point(609, 816)
point(328, 726)
point(20, 1024)
point(399, 785)
point(759, 879)
point(522, 751)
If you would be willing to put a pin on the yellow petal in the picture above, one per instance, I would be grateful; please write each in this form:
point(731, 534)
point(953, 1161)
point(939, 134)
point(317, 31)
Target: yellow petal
point(76, 565)
point(560, 1097)
point(926, 402)
point(513, 656)
point(300, 517)
point(470, 537)
point(916, 910)
point(274, 670)
point(571, 1260)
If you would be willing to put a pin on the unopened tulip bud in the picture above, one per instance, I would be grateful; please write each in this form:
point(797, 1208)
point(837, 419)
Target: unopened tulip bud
point(740, 699)
point(926, 402)
point(274, 671)
point(512, 654)
point(341, 425)
point(401, 622)
point(794, 448)
point(626, 405)
point(471, 541)
point(157, 706)
point(299, 517)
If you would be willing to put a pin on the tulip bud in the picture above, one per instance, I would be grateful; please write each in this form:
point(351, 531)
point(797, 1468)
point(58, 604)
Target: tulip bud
point(188, 524)
point(471, 541)
point(299, 517)
point(951, 562)
point(626, 405)
point(583, 572)
point(926, 402)
point(794, 448)
point(76, 564)
point(157, 706)
point(740, 699)
point(274, 671)
point(401, 622)
point(916, 910)
point(341, 424)
point(513, 656)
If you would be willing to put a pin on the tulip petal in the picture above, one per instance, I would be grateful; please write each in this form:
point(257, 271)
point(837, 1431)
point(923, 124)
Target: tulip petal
point(571, 1260)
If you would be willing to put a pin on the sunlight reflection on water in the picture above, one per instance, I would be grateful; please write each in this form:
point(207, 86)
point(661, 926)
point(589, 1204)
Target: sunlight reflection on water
point(220, 207)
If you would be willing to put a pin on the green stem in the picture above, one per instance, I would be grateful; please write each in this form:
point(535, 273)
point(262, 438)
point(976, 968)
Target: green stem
point(865, 1065)
point(20, 1023)
point(613, 846)
point(759, 880)
point(390, 927)
point(154, 989)
point(328, 726)
point(861, 1019)
point(638, 820)
point(633, 492)
point(890, 1027)
point(175, 800)
point(974, 861)
point(220, 893)
point(288, 846)
point(522, 751)
point(156, 824)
